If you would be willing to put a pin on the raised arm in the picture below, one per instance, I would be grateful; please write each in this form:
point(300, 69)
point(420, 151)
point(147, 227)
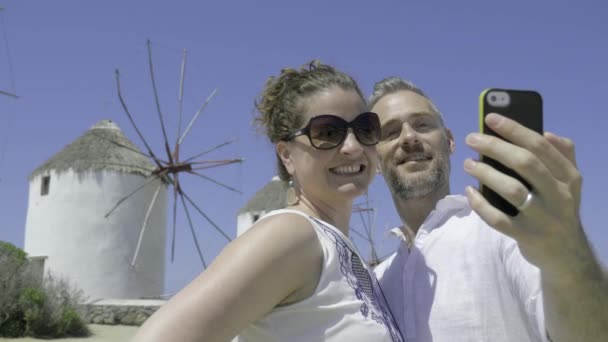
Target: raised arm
point(276, 258)
point(548, 229)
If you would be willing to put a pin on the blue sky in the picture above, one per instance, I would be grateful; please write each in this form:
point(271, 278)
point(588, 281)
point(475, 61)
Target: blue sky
point(63, 55)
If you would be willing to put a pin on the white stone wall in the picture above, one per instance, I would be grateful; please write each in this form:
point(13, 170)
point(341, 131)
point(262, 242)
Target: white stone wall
point(123, 312)
point(68, 226)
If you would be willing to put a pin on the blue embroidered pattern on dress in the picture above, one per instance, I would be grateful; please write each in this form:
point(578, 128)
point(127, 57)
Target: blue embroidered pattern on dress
point(360, 280)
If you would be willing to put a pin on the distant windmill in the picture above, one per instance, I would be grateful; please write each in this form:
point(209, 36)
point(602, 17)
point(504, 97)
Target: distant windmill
point(66, 234)
point(273, 196)
point(367, 215)
point(167, 171)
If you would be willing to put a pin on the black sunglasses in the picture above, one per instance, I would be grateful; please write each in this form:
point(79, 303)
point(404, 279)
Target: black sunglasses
point(328, 131)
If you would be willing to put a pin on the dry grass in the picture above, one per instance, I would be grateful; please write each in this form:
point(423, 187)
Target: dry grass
point(100, 333)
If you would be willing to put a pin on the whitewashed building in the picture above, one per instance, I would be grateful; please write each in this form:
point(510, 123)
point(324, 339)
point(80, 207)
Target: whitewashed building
point(271, 197)
point(66, 227)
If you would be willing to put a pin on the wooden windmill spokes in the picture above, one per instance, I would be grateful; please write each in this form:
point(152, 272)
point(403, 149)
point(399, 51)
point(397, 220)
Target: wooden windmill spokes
point(367, 216)
point(6, 93)
point(168, 171)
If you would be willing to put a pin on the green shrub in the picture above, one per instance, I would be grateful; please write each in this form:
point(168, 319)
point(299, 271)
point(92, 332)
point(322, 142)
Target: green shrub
point(33, 305)
point(71, 324)
point(13, 326)
point(28, 307)
point(32, 297)
point(7, 248)
point(63, 308)
point(15, 276)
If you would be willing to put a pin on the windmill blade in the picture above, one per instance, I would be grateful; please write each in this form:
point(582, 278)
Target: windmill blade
point(145, 224)
point(363, 222)
point(371, 218)
point(373, 226)
point(353, 230)
point(205, 215)
point(211, 149)
point(8, 59)
point(124, 106)
point(8, 94)
point(198, 248)
point(175, 187)
point(373, 221)
point(216, 182)
point(180, 100)
point(374, 258)
point(152, 178)
point(196, 116)
point(216, 163)
point(366, 221)
point(373, 252)
point(157, 101)
point(359, 210)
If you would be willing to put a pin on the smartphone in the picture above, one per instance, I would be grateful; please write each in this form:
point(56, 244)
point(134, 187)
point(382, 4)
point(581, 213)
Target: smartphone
point(523, 106)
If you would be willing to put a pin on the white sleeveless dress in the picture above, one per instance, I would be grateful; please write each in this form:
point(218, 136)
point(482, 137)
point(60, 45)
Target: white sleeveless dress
point(347, 305)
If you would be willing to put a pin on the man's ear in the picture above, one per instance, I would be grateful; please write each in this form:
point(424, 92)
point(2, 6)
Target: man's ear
point(451, 142)
point(285, 155)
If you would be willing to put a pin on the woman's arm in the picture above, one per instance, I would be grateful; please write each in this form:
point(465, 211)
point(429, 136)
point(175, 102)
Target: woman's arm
point(277, 257)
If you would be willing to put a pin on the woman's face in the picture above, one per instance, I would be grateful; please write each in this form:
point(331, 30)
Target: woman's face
point(340, 173)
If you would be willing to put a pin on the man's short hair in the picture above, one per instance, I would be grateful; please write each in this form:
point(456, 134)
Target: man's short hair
point(394, 84)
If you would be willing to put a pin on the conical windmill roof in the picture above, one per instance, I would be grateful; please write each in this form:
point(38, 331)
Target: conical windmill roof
point(103, 147)
point(272, 196)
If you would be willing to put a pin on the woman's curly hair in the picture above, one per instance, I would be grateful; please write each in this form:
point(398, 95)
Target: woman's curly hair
point(283, 100)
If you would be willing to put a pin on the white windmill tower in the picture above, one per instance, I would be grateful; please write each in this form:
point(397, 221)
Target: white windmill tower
point(271, 197)
point(64, 225)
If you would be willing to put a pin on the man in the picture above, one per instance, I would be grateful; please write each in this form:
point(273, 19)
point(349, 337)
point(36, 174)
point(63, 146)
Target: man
point(465, 271)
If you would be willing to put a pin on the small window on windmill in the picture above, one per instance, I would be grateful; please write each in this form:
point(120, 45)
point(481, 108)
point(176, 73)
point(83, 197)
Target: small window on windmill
point(45, 186)
point(256, 217)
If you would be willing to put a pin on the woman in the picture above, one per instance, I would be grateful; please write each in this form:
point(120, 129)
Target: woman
point(294, 275)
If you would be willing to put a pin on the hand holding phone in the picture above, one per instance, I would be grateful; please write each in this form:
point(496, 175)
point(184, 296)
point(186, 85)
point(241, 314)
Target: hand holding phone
point(523, 106)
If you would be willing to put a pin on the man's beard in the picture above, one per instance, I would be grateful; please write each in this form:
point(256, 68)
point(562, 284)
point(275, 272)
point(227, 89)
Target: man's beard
point(415, 186)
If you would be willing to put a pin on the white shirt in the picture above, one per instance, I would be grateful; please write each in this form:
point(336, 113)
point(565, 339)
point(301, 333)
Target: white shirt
point(346, 305)
point(462, 281)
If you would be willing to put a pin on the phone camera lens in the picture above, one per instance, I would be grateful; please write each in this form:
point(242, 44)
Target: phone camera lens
point(493, 98)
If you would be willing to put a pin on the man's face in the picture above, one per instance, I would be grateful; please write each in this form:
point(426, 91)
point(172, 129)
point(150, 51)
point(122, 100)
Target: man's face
point(415, 147)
